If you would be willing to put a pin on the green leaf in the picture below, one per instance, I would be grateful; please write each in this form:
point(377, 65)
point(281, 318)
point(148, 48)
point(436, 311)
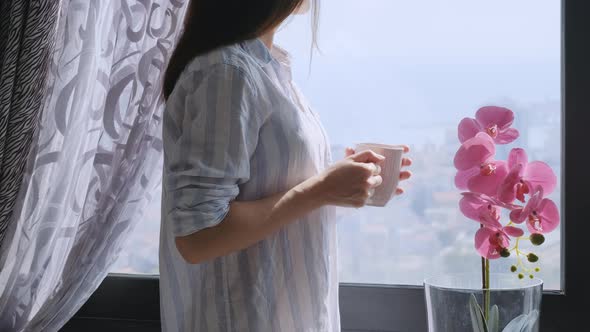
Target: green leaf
point(494, 320)
point(478, 321)
point(523, 323)
point(516, 324)
point(532, 318)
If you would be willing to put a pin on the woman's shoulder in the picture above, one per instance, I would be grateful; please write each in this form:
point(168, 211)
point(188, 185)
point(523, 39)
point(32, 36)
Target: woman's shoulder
point(205, 74)
point(231, 56)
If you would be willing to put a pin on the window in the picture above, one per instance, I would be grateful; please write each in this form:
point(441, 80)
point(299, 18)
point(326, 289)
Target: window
point(140, 255)
point(409, 71)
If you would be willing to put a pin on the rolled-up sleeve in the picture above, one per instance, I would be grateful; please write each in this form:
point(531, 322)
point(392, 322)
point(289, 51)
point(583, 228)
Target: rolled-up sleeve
point(210, 132)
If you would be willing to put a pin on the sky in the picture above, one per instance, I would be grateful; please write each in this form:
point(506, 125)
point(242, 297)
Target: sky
point(392, 70)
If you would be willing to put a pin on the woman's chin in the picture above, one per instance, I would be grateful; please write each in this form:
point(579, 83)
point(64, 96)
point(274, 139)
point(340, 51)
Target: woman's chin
point(303, 8)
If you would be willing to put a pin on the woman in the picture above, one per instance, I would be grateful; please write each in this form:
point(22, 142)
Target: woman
point(248, 240)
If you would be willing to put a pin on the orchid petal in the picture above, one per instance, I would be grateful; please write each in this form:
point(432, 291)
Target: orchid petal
point(520, 215)
point(513, 231)
point(468, 128)
point(474, 152)
point(534, 200)
point(506, 136)
point(500, 116)
point(469, 206)
point(517, 156)
point(483, 245)
point(507, 189)
point(488, 217)
point(517, 216)
point(463, 177)
point(539, 173)
point(548, 213)
point(504, 240)
point(489, 184)
point(480, 208)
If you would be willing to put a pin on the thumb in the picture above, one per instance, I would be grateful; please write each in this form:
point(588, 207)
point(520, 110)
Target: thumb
point(367, 156)
point(348, 152)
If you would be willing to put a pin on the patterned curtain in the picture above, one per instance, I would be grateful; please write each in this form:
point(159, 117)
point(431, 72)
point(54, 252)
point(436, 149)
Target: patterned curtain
point(96, 159)
point(27, 31)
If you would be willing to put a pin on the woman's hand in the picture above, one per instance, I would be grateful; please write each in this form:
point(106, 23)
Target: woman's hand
point(403, 175)
point(348, 182)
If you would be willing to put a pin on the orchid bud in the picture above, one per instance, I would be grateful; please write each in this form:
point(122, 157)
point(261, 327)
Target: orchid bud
point(537, 239)
point(513, 268)
point(537, 269)
point(520, 276)
point(531, 276)
point(532, 257)
point(505, 253)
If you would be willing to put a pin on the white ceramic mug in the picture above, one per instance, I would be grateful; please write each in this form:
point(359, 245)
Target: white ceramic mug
point(390, 170)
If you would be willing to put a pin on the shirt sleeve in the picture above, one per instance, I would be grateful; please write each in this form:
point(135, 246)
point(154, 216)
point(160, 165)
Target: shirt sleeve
point(210, 132)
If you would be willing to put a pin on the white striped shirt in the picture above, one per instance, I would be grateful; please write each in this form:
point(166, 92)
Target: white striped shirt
point(236, 127)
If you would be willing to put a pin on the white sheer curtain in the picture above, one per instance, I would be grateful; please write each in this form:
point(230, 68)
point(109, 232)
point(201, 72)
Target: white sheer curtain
point(95, 162)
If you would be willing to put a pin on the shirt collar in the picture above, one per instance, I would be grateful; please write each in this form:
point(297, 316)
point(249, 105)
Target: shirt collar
point(263, 56)
point(258, 50)
point(282, 56)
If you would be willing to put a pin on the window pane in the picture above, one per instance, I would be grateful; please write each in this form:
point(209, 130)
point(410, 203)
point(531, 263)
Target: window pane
point(395, 71)
point(140, 255)
point(407, 72)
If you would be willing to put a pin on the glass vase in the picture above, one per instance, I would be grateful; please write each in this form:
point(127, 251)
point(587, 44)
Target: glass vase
point(457, 303)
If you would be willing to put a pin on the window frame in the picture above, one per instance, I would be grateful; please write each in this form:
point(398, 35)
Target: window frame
point(366, 307)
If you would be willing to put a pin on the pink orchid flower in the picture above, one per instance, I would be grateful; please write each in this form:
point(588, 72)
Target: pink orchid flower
point(478, 171)
point(523, 176)
point(486, 210)
point(480, 208)
point(490, 242)
point(483, 208)
point(492, 120)
point(541, 214)
point(491, 239)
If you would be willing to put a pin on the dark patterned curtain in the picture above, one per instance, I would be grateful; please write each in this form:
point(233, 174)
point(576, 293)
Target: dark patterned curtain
point(95, 160)
point(27, 31)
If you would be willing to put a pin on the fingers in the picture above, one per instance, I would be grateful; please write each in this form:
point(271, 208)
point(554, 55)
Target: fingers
point(377, 170)
point(348, 152)
point(372, 169)
point(399, 191)
point(367, 156)
point(406, 162)
point(375, 181)
point(404, 175)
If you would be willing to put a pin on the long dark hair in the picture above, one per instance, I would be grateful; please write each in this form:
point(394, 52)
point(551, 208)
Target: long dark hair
point(210, 24)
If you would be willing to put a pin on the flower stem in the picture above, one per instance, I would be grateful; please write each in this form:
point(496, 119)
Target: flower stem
point(486, 294)
point(485, 285)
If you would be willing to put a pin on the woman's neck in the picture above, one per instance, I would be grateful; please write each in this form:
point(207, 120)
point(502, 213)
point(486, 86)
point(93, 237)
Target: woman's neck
point(268, 37)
